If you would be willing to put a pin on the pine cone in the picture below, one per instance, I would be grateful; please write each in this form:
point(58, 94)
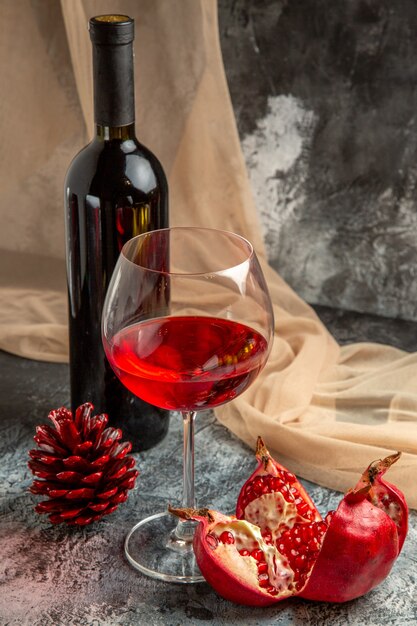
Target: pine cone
point(86, 473)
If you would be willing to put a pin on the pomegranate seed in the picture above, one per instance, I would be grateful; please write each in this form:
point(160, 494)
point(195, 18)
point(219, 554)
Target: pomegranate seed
point(300, 561)
point(272, 590)
point(267, 536)
point(263, 580)
point(227, 537)
point(244, 552)
point(291, 478)
point(285, 542)
point(302, 508)
point(313, 545)
point(306, 533)
point(262, 567)
point(257, 486)
point(276, 484)
point(258, 555)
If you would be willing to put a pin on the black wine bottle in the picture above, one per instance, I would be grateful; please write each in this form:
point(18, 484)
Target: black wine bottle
point(115, 188)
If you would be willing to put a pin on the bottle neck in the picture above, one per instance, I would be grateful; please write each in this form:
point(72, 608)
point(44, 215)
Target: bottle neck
point(114, 89)
point(122, 133)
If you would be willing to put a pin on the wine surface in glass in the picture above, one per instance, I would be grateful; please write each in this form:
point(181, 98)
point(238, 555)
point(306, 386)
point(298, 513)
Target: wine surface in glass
point(187, 363)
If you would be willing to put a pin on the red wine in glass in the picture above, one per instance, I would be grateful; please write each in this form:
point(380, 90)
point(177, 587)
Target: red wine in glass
point(187, 362)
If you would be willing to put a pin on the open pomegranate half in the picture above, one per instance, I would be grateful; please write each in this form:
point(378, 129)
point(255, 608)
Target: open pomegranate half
point(278, 545)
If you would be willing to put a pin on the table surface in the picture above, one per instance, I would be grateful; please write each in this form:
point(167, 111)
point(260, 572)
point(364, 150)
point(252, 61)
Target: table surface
point(52, 576)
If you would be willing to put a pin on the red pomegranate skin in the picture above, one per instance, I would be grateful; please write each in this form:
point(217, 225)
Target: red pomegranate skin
point(358, 552)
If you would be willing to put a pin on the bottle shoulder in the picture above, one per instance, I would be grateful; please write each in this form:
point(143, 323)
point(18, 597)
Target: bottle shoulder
point(84, 162)
point(109, 147)
point(115, 164)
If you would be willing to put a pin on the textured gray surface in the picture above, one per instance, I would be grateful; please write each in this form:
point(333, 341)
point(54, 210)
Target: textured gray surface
point(54, 576)
point(324, 95)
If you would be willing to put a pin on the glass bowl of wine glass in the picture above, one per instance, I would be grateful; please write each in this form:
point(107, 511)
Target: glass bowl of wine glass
point(187, 326)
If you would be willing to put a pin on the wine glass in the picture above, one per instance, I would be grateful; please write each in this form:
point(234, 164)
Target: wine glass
point(187, 325)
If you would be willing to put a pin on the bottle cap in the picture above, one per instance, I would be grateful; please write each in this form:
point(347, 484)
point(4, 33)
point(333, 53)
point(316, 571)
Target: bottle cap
point(111, 29)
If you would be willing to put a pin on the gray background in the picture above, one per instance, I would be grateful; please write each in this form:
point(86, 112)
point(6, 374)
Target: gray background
point(325, 98)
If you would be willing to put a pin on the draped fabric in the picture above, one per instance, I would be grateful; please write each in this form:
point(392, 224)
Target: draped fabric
point(325, 411)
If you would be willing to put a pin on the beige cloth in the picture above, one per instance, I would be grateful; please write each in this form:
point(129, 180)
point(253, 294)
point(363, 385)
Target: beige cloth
point(325, 411)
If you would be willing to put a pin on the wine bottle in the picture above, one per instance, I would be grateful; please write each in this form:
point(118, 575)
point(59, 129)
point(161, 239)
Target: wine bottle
point(115, 188)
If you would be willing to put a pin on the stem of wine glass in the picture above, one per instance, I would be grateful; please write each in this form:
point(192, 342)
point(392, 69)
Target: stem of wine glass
point(184, 529)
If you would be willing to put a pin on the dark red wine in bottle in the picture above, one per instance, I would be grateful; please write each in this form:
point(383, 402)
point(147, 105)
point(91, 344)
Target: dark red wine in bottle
point(115, 188)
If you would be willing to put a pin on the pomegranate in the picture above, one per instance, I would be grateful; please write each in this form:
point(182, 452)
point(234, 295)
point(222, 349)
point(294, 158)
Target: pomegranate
point(278, 546)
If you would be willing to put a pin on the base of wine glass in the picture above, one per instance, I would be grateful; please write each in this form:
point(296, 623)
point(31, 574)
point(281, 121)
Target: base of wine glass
point(155, 549)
